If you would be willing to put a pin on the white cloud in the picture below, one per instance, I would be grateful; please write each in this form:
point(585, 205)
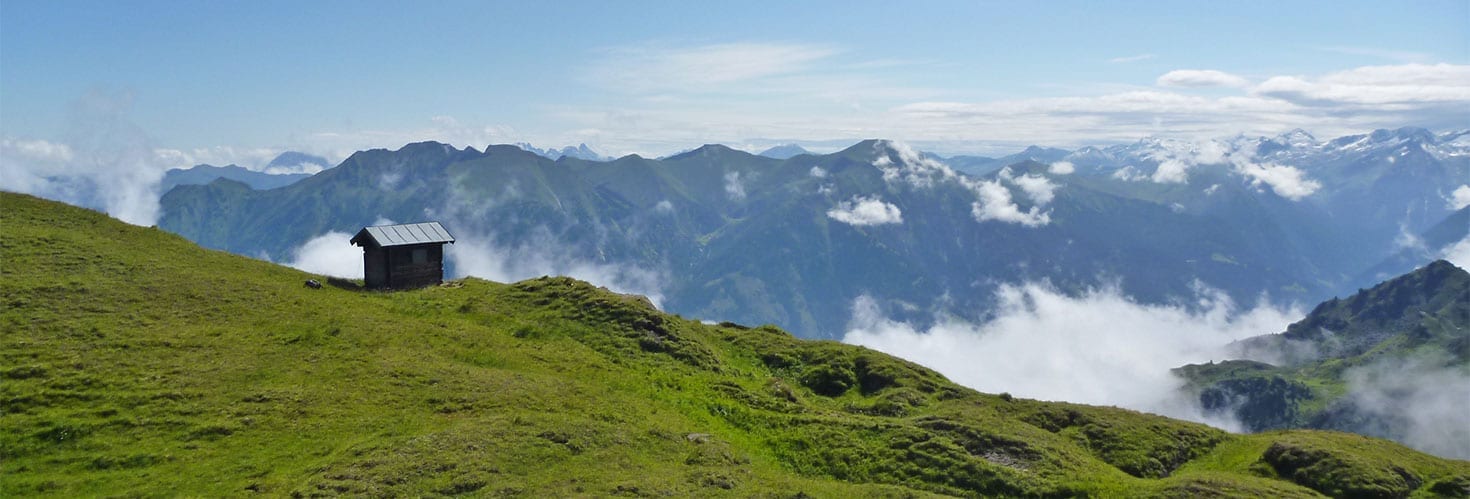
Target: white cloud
point(104, 162)
point(1171, 171)
point(1098, 348)
point(541, 254)
point(1062, 168)
point(1407, 240)
point(1038, 188)
point(37, 150)
point(664, 206)
point(866, 211)
point(1129, 174)
point(1376, 86)
point(1195, 78)
point(1458, 253)
point(306, 168)
point(329, 254)
point(1423, 398)
point(734, 188)
point(910, 167)
point(817, 172)
point(1460, 198)
point(1177, 157)
point(995, 203)
point(1287, 181)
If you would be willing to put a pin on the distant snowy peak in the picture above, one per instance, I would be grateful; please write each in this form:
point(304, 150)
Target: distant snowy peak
point(581, 151)
point(1297, 139)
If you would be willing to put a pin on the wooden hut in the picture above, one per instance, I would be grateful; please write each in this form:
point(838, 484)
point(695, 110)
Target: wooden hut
point(403, 256)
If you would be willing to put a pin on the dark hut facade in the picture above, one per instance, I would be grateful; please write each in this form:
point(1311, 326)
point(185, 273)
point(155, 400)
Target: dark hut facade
point(403, 256)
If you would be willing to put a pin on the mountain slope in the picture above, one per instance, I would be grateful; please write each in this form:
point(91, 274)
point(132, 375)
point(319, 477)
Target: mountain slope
point(1436, 241)
point(1365, 363)
point(138, 363)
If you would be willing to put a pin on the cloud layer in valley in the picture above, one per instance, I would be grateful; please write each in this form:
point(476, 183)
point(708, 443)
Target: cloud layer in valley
point(1424, 399)
point(1097, 348)
point(541, 254)
point(330, 254)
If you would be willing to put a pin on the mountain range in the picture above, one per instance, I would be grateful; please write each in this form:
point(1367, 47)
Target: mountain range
point(283, 170)
point(722, 234)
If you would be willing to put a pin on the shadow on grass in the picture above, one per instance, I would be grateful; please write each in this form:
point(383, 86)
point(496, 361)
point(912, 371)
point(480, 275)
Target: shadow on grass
point(347, 284)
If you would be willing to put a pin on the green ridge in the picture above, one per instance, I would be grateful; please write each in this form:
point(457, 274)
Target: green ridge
point(1418, 319)
point(133, 362)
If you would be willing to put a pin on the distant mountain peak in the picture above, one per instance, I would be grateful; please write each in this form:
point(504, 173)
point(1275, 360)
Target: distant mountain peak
point(1407, 133)
point(1401, 299)
point(784, 151)
point(708, 150)
point(1297, 138)
point(296, 162)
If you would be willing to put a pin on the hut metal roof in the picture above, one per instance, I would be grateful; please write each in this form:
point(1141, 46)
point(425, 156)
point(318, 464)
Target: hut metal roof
point(403, 234)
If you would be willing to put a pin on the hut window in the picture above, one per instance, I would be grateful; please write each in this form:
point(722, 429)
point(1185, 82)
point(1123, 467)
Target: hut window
point(420, 256)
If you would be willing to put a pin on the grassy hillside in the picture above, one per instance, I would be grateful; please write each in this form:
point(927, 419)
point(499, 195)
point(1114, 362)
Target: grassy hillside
point(135, 363)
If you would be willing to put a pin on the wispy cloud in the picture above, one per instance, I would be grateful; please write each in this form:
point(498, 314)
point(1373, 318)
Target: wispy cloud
point(1131, 58)
point(1386, 88)
point(734, 187)
point(1401, 56)
point(655, 68)
point(1341, 102)
point(1422, 399)
point(1196, 78)
point(105, 161)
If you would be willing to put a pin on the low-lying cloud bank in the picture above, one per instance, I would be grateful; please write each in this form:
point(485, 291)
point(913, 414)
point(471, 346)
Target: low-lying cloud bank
point(1098, 348)
point(1422, 400)
point(541, 254)
point(329, 254)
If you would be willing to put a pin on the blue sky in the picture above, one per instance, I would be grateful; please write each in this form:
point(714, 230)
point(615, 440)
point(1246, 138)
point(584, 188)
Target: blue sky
point(235, 81)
